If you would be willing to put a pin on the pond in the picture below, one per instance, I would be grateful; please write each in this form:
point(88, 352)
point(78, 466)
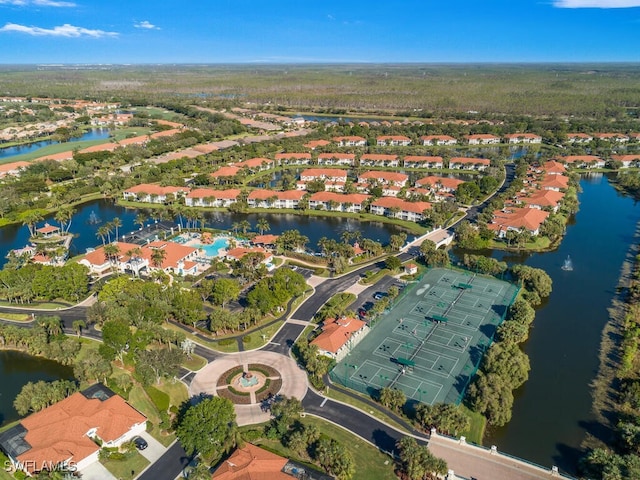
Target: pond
point(90, 216)
point(93, 134)
point(552, 411)
point(17, 370)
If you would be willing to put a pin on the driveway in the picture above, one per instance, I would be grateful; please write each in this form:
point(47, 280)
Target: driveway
point(96, 471)
point(155, 449)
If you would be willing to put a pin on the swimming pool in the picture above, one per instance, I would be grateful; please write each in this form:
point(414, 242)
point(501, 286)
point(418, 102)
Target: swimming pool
point(214, 248)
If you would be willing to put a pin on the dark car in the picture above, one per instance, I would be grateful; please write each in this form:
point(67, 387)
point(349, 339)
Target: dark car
point(140, 443)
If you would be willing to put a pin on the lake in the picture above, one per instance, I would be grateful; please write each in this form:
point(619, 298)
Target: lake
point(93, 134)
point(104, 210)
point(552, 411)
point(18, 369)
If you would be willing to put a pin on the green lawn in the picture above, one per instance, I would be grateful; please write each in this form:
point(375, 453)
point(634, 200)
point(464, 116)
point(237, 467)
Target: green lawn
point(139, 399)
point(177, 391)
point(369, 462)
point(478, 424)
point(255, 336)
point(375, 277)
point(123, 469)
point(195, 363)
point(16, 317)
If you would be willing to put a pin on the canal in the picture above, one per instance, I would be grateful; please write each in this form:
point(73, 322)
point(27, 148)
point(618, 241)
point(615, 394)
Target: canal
point(552, 411)
point(17, 370)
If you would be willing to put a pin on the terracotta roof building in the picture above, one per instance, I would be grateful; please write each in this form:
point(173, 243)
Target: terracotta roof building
point(339, 336)
point(252, 463)
point(529, 219)
point(63, 432)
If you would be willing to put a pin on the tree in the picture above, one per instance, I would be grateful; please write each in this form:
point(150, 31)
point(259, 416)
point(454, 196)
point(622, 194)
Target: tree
point(224, 290)
point(78, 325)
point(417, 461)
point(157, 363)
point(508, 361)
point(491, 395)
point(30, 219)
point(64, 215)
point(393, 263)
point(396, 241)
point(39, 395)
point(158, 256)
point(334, 458)
point(140, 219)
point(116, 336)
point(209, 427)
point(446, 417)
point(392, 398)
point(93, 368)
point(263, 226)
point(285, 411)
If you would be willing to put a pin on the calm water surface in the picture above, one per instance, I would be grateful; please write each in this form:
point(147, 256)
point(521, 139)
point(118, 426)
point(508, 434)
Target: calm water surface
point(552, 411)
point(93, 134)
point(18, 369)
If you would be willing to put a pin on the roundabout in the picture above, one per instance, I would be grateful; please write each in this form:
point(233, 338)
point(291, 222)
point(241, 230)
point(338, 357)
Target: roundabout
point(249, 380)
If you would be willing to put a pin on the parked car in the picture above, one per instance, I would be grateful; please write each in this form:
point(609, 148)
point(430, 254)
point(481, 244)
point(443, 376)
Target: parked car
point(377, 296)
point(140, 443)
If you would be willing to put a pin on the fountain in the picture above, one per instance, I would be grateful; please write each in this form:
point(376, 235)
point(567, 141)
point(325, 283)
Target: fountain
point(248, 379)
point(568, 264)
point(93, 218)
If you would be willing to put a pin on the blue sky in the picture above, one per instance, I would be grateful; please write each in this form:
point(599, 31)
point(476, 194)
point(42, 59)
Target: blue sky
point(293, 31)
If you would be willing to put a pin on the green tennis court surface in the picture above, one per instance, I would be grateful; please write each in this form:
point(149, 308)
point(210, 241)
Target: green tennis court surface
point(432, 340)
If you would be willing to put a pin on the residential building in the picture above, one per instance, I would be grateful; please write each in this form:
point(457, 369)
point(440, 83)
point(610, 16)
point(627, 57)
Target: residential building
point(226, 172)
point(384, 178)
point(553, 168)
point(482, 139)
point(341, 159)
point(313, 144)
point(627, 161)
point(522, 138)
point(439, 185)
point(258, 164)
point(578, 138)
point(330, 174)
point(393, 140)
point(466, 163)
point(583, 161)
point(267, 240)
point(411, 269)
point(153, 193)
point(543, 199)
point(516, 219)
point(293, 158)
point(208, 197)
point(338, 202)
point(378, 160)
point(261, 198)
point(70, 431)
point(339, 336)
point(438, 140)
point(612, 137)
point(554, 182)
point(239, 252)
point(350, 141)
point(420, 161)
point(252, 463)
point(397, 208)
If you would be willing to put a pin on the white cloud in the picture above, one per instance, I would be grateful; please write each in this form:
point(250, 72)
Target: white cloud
point(65, 30)
point(147, 25)
point(38, 3)
point(596, 3)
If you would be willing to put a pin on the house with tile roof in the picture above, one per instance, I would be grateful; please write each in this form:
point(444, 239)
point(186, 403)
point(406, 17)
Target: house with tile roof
point(543, 199)
point(438, 140)
point(313, 144)
point(340, 159)
point(67, 432)
point(253, 463)
point(627, 161)
point(209, 197)
point(578, 138)
point(553, 168)
point(225, 172)
point(330, 174)
point(379, 160)
point(339, 336)
point(338, 202)
point(350, 141)
point(393, 140)
point(383, 178)
point(262, 198)
point(293, 158)
point(516, 219)
point(439, 185)
point(257, 164)
point(152, 193)
point(466, 163)
point(422, 161)
point(515, 138)
point(398, 208)
point(612, 137)
point(482, 139)
point(239, 252)
point(583, 161)
point(554, 182)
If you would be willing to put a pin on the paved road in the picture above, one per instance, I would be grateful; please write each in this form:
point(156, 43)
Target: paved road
point(169, 465)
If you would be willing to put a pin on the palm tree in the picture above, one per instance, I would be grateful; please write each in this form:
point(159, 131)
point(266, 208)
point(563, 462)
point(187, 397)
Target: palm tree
point(235, 226)
point(157, 257)
point(30, 221)
point(64, 216)
point(108, 228)
point(245, 226)
point(263, 226)
point(116, 223)
point(111, 251)
point(102, 233)
point(140, 219)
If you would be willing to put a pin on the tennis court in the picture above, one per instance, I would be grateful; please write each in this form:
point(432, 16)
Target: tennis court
point(431, 342)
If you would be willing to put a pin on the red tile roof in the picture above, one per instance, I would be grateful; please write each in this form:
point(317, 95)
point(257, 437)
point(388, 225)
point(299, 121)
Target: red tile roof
point(581, 158)
point(252, 463)
point(555, 181)
point(317, 143)
point(265, 239)
point(386, 177)
point(553, 167)
point(543, 198)
point(422, 159)
point(522, 135)
point(429, 138)
point(254, 162)
point(226, 172)
point(393, 202)
point(335, 333)
point(349, 139)
point(58, 432)
point(373, 156)
point(230, 193)
point(481, 136)
point(355, 198)
point(529, 218)
point(399, 138)
point(13, 166)
point(446, 182)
